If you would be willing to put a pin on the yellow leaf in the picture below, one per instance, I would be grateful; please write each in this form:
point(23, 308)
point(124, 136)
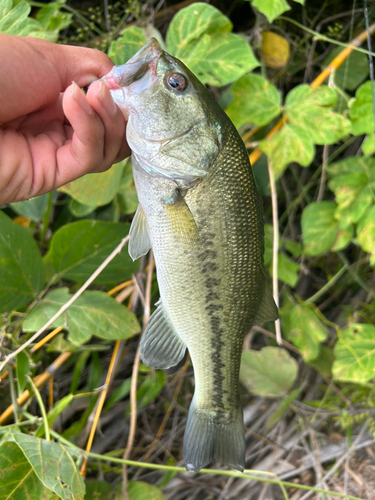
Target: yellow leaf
point(22, 221)
point(275, 50)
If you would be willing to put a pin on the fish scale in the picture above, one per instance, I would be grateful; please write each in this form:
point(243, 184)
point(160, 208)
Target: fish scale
point(201, 213)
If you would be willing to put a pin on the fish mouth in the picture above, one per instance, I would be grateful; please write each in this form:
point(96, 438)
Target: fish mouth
point(145, 59)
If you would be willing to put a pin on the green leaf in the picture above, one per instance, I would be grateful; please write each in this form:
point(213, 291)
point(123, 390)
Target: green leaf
point(99, 490)
point(321, 231)
point(271, 8)
point(287, 270)
point(292, 143)
point(361, 110)
point(22, 369)
point(200, 35)
point(21, 267)
point(127, 195)
point(324, 361)
point(366, 233)
point(121, 392)
point(93, 313)
point(307, 331)
point(58, 408)
point(355, 354)
point(53, 465)
point(78, 370)
point(353, 182)
point(15, 21)
point(283, 407)
point(227, 58)
point(32, 209)
point(96, 189)
point(256, 101)
point(79, 210)
point(18, 479)
point(79, 248)
point(352, 72)
point(127, 44)
point(311, 109)
point(138, 490)
point(150, 388)
point(368, 145)
point(53, 20)
point(270, 372)
point(191, 23)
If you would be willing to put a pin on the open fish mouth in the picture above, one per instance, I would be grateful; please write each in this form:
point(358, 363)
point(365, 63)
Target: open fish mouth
point(145, 59)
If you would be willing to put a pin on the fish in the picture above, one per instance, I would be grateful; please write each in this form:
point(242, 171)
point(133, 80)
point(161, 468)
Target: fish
point(201, 213)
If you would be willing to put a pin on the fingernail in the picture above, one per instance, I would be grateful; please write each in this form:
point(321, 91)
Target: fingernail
point(106, 100)
point(80, 99)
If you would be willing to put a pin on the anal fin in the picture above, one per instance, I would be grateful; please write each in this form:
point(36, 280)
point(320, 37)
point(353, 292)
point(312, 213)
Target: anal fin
point(160, 346)
point(267, 310)
point(139, 242)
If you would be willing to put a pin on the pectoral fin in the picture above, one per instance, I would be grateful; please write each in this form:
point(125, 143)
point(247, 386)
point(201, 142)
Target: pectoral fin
point(160, 346)
point(139, 242)
point(267, 308)
point(180, 218)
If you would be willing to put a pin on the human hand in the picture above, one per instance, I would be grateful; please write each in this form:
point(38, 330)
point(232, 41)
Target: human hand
point(50, 132)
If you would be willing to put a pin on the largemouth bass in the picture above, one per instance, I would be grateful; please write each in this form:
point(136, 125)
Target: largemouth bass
point(200, 212)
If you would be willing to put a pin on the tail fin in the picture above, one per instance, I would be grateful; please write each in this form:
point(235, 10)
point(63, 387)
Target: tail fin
point(206, 441)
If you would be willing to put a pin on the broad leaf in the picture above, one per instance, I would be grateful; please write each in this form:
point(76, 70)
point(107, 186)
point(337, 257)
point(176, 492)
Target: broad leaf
point(292, 143)
point(191, 23)
point(287, 269)
point(321, 231)
point(21, 271)
point(79, 210)
point(138, 490)
point(366, 233)
point(79, 248)
point(127, 195)
point(361, 110)
point(270, 372)
point(93, 313)
point(352, 72)
point(127, 44)
point(18, 480)
point(255, 101)
point(306, 331)
point(15, 20)
point(355, 354)
point(311, 109)
point(53, 20)
point(353, 182)
point(200, 36)
point(53, 465)
point(271, 8)
point(227, 58)
point(96, 189)
point(33, 209)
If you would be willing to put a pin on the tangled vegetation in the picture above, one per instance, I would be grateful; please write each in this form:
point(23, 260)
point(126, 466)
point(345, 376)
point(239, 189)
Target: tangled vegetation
point(310, 402)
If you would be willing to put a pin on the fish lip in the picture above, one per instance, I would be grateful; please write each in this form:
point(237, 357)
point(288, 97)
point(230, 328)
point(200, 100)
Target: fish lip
point(145, 59)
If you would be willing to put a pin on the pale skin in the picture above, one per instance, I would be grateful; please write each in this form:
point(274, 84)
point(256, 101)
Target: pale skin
point(51, 133)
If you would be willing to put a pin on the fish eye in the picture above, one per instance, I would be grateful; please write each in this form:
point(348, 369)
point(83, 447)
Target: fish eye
point(176, 82)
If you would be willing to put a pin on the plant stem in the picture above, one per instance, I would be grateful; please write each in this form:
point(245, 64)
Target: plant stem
point(41, 406)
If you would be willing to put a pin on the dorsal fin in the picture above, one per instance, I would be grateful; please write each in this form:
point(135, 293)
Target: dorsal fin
point(267, 310)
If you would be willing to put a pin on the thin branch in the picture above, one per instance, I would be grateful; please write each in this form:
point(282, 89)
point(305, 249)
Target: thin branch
point(116, 251)
point(275, 248)
point(133, 388)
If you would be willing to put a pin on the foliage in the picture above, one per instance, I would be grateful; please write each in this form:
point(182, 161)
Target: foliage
point(325, 185)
